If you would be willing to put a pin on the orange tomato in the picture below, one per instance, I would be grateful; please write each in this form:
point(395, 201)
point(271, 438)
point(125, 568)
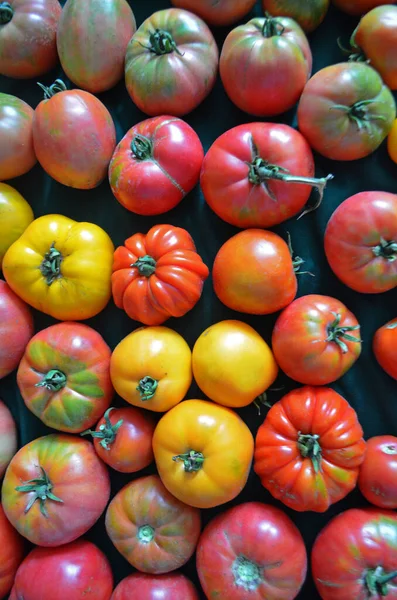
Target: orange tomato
point(392, 142)
point(384, 346)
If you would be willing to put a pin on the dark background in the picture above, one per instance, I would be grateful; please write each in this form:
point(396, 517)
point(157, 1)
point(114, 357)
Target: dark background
point(369, 390)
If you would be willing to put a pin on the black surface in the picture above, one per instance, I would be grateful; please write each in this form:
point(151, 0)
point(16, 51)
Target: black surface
point(370, 391)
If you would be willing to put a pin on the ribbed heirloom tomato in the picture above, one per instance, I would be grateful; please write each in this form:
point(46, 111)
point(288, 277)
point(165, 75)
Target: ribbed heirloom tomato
point(11, 554)
point(17, 155)
point(8, 438)
point(220, 12)
point(377, 480)
point(173, 586)
point(308, 14)
point(384, 346)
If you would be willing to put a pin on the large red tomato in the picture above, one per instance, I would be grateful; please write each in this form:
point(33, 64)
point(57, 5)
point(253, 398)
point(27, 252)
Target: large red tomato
point(359, 7)
point(251, 552)
point(220, 12)
point(308, 14)
point(74, 136)
point(171, 63)
point(76, 571)
point(28, 37)
point(377, 480)
point(11, 554)
point(17, 154)
point(316, 339)
point(355, 556)
point(64, 376)
point(55, 489)
point(309, 449)
point(265, 64)
point(155, 165)
point(252, 175)
point(346, 111)
point(173, 586)
point(361, 242)
point(385, 347)
point(8, 438)
point(16, 329)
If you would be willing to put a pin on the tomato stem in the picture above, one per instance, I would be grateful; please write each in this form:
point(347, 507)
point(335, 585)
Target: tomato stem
point(335, 333)
point(376, 581)
point(41, 487)
point(358, 113)
point(146, 265)
point(6, 13)
point(107, 432)
point(161, 42)
point(297, 261)
point(387, 250)
point(247, 574)
point(309, 447)
point(192, 461)
point(53, 381)
point(57, 86)
point(141, 147)
point(272, 27)
point(145, 534)
point(50, 268)
point(147, 388)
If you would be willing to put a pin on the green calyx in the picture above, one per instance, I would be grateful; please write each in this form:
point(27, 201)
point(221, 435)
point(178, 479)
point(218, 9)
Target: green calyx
point(376, 581)
point(41, 487)
point(141, 147)
point(55, 88)
point(6, 13)
point(338, 334)
point(147, 387)
point(145, 534)
point(309, 447)
point(297, 261)
point(107, 432)
point(358, 113)
point(51, 266)
point(53, 381)
point(192, 461)
point(161, 42)
point(355, 52)
point(386, 250)
point(146, 265)
point(247, 574)
point(272, 27)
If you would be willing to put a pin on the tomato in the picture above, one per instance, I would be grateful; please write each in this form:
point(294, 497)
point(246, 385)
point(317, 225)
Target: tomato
point(16, 329)
point(346, 111)
point(74, 136)
point(377, 479)
point(171, 63)
point(361, 242)
point(154, 531)
point(92, 40)
point(11, 554)
point(15, 215)
point(359, 7)
point(152, 368)
point(232, 364)
point(252, 175)
point(8, 438)
point(158, 275)
point(392, 142)
point(28, 37)
point(316, 340)
point(155, 165)
point(61, 267)
point(251, 552)
point(64, 376)
point(355, 556)
point(55, 489)
point(265, 64)
point(173, 586)
point(210, 441)
point(254, 273)
point(221, 12)
point(123, 439)
point(308, 14)
point(17, 154)
point(309, 449)
point(384, 345)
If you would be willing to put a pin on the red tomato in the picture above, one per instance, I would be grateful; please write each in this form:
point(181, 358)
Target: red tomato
point(155, 165)
point(251, 552)
point(220, 12)
point(155, 587)
point(346, 111)
point(123, 439)
point(16, 329)
point(153, 530)
point(361, 242)
point(355, 556)
point(308, 14)
point(265, 64)
point(28, 37)
point(316, 339)
point(171, 63)
point(74, 136)
point(377, 480)
point(251, 175)
point(55, 489)
point(359, 7)
point(11, 554)
point(385, 347)
point(309, 449)
point(17, 154)
point(64, 376)
point(8, 438)
point(158, 275)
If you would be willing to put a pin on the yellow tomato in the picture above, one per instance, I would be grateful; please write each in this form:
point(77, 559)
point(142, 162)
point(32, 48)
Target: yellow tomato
point(392, 142)
point(232, 364)
point(61, 267)
point(203, 453)
point(15, 215)
point(152, 368)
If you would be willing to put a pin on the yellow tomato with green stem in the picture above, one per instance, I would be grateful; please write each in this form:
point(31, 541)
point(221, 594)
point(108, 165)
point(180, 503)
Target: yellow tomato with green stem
point(15, 215)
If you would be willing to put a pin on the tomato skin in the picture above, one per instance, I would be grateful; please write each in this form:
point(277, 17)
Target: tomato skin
point(221, 13)
point(311, 320)
point(384, 345)
point(177, 81)
point(377, 480)
point(251, 551)
point(293, 475)
point(253, 273)
point(359, 7)
point(11, 553)
point(164, 168)
point(333, 131)
point(355, 242)
point(392, 142)
point(174, 586)
point(355, 543)
point(154, 531)
point(78, 478)
point(16, 329)
point(275, 55)
point(309, 15)
point(17, 154)
point(8, 438)
point(15, 215)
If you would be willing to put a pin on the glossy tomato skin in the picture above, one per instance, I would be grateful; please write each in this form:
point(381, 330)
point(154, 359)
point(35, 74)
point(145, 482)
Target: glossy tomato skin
point(154, 531)
point(392, 142)
point(92, 40)
point(17, 155)
point(11, 553)
point(78, 478)
point(251, 552)
point(346, 111)
point(223, 12)
point(8, 438)
point(307, 423)
point(349, 550)
point(15, 215)
point(384, 346)
point(16, 329)
point(155, 165)
point(359, 7)
point(253, 273)
point(377, 479)
point(75, 571)
point(310, 342)
point(174, 586)
point(178, 74)
point(28, 37)
point(64, 376)
point(361, 240)
point(273, 55)
point(158, 275)
point(309, 15)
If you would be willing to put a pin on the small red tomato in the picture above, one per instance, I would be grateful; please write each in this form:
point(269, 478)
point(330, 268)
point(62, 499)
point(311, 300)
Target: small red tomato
point(11, 554)
point(173, 586)
point(17, 154)
point(385, 347)
point(8, 438)
point(378, 480)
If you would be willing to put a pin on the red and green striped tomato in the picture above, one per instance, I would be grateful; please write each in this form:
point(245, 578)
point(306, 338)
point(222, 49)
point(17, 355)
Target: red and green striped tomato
point(171, 63)
point(309, 14)
point(217, 12)
point(64, 376)
point(17, 154)
point(92, 39)
point(8, 438)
